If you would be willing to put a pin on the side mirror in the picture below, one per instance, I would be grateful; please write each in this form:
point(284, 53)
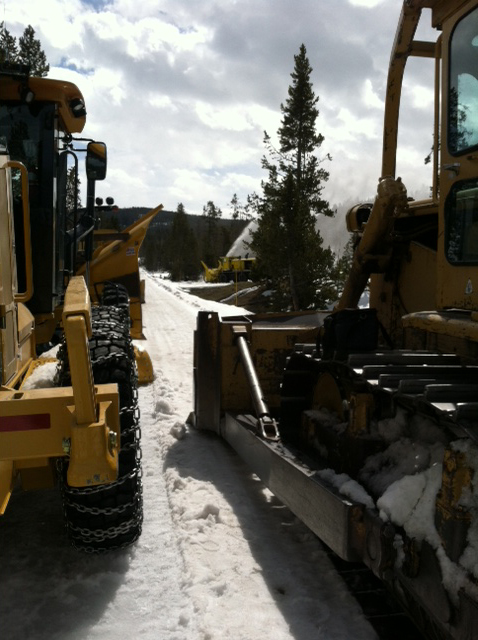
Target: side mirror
point(96, 161)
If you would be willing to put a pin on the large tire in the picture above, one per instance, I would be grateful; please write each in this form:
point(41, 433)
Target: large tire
point(115, 295)
point(110, 516)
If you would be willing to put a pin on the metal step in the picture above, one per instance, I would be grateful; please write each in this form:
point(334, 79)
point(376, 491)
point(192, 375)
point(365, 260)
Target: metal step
point(413, 383)
point(359, 360)
point(451, 393)
point(373, 372)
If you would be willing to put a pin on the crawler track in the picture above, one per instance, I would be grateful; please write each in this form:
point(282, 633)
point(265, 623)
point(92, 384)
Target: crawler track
point(379, 606)
point(437, 386)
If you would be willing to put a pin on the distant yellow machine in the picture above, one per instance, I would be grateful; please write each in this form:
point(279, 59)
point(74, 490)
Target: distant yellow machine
point(229, 269)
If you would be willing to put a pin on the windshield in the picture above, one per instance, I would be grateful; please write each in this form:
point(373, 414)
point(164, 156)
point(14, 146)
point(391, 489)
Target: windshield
point(28, 130)
point(463, 95)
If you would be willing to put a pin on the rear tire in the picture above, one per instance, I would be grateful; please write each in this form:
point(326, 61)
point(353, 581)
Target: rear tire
point(116, 295)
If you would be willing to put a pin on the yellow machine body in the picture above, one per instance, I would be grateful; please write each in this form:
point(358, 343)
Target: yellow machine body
point(65, 94)
point(58, 424)
point(115, 259)
point(38, 426)
point(144, 366)
point(49, 433)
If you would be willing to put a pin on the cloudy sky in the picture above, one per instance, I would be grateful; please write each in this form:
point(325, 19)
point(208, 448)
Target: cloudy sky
point(182, 90)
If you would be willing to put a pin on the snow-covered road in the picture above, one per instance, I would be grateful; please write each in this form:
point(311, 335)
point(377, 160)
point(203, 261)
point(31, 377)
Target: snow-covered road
point(219, 557)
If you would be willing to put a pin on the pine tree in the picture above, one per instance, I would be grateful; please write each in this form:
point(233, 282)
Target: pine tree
point(211, 212)
point(31, 53)
point(8, 45)
point(151, 253)
point(343, 265)
point(183, 254)
point(212, 244)
point(287, 244)
point(27, 51)
point(235, 207)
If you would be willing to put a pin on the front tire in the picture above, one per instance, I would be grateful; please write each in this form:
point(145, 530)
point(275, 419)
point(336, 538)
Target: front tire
point(107, 517)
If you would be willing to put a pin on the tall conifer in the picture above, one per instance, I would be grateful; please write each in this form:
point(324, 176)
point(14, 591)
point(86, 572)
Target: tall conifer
point(27, 51)
point(182, 246)
point(31, 53)
point(8, 45)
point(286, 243)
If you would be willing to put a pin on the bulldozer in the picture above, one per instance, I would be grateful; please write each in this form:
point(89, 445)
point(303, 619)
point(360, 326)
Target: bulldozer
point(68, 414)
point(364, 421)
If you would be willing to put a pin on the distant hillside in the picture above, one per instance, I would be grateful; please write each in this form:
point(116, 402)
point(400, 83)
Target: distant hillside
point(124, 217)
point(333, 230)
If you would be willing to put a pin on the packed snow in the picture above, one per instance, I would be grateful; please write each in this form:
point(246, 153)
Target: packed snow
point(219, 557)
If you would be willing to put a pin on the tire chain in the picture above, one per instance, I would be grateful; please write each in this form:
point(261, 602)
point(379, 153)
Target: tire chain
point(109, 325)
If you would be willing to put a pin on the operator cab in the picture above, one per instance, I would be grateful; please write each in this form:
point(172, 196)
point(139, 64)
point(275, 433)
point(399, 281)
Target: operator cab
point(38, 118)
point(461, 207)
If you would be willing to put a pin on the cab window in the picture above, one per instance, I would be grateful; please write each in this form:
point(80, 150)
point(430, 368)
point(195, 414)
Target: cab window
point(463, 86)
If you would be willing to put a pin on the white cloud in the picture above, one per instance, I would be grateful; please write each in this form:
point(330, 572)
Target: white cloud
point(229, 118)
point(369, 96)
point(422, 97)
point(369, 4)
point(182, 91)
point(162, 102)
point(111, 84)
point(348, 127)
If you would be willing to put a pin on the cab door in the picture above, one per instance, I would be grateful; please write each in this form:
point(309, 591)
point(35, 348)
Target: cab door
point(8, 321)
point(457, 268)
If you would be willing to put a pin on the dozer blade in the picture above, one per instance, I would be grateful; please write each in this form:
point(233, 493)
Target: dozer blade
point(226, 402)
point(340, 522)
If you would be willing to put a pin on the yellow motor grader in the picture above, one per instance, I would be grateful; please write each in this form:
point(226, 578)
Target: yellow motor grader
point(80, 425)
point(364, 422)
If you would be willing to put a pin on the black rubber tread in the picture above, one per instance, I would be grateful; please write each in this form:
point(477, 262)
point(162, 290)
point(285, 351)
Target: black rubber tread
point(115, 295)
point(109, 517)
point(379, 606)
point(111, 319)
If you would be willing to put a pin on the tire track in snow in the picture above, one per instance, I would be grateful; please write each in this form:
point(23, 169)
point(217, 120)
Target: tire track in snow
point(249, 562)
